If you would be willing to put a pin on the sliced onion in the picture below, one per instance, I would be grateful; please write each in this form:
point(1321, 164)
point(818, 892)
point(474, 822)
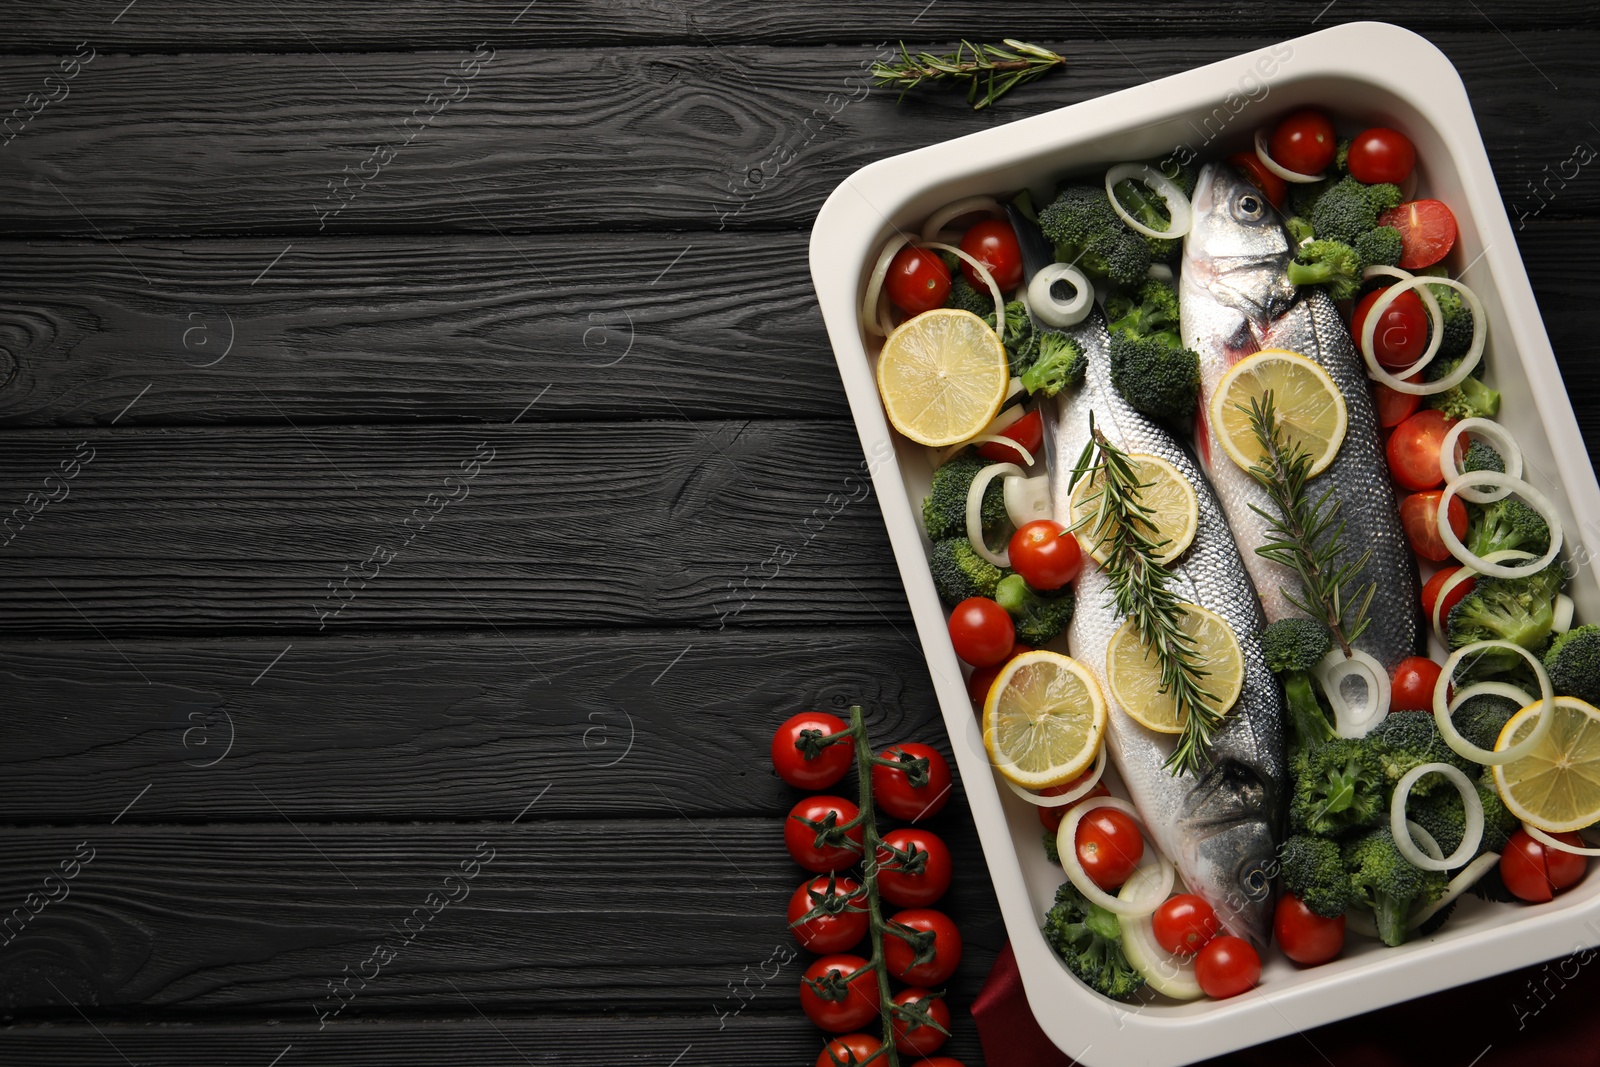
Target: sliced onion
point(1028, 499)
point(1447, 728)
point(885, 314)
point(1052, 312)
point(1466, 574)
point(1066, 846)
point(1535, 499)
point(984, 275)
point(1168, 973)
point(970, 206)
point(1471, 838)
point(1161, 272)
point(1350, 721)
point(1279, 169)
point(1423, 839)
point(1463, 881)
point(999, 439)
point(1563, 615)
point(1420, 282)
point(1008, 415)
point(975, 511)
point(1556, 843)
point(1430, 304)
point(1039, 800)
point(880, 270)
point(1503, 442)
point(1178, 207)
point(1493, 689)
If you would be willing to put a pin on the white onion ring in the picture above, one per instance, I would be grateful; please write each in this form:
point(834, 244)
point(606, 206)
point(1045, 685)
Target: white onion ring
point(1039, 800)
point(999, 439)
point(1493, 689)
point(1430, 305)
point(1278, 168)
point(1537, 500)
point(1447, 728)
point(1008, 414)
point(1556, 843)
point(984, 276)
point(1332, 671)
point(1080, 878)
point(1471, 838)
point(1564, 609)
point(1178, 207)
point(1466, 574)
point(1504, 443)
point(970, 206)
point(1167, 972)
point(1161, 272)
point(880, 269)
point(1027, 499)
point(885, 314)
point(1420, 282)
point(975, 511)
point(1051, 312)
point(1464, 880)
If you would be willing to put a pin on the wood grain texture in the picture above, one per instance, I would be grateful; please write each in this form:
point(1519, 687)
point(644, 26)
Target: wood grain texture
point(744, 136)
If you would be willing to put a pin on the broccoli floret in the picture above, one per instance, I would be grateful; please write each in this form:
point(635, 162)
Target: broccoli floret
point(1341, 156)
point(1039, 617)
point(966, 298)
point(1498, 821)
point(1506, 523)
point(1300, 229)
point(1150, 309)
point(1154, 377)
point(1467, 400)
point(1386, 882)
point(1293, 647)
point(1457, 319)
point(1339, 786)
point(1017, 335)
point(1058, 364)
point(1408, 739)
point(1088, 939)
point(1084, 229)
point(1573, 663)
point(1521, 610)
point(1380, 245)
point(1480, 456)
point(960, 573)
point(944, 509)
point(1442, 814)
point(1302, 195)
point(1313, 870)
point(1480, 719)
point(1183, 175)
point(1138, 201)
point(1348, 209)
point(1331, 263)
point(1051, 853)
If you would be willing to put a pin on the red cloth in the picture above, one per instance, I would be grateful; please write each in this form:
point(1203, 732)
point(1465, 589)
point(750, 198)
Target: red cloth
point(1545, 1015)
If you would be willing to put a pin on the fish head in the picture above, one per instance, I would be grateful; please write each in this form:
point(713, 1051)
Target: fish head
point(1230, 832)
point(1237, 247)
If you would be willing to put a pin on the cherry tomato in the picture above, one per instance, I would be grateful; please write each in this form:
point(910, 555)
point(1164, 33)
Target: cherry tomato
point(832, 761)
point(1394, 407)
point(1535, 873)
point(994, 244)
point(914, 890)
point(896, 795)
point(1381, 155)
point(1274, 188)
point(851, 1049)
point(982, 678)
point(917, 281)
point(1050, 818)
point(1430, 593)
point(1304, 142)
point(1401, 336)
point(1305, 936)
point(1027, 431)
point(1414, 450)
point(801, 839)
point(1419, 514)
point(1109, 846)
point(856, 1008)
point(1226, 967)
point(1427, 232)
point(1184, 924)
point(946, 948)
point(981, 631)
point(1045, 554)
point(834, 932)
point(1412, 686)
point(917, 1039)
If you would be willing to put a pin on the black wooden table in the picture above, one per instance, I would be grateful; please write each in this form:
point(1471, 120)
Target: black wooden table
point(415, 398)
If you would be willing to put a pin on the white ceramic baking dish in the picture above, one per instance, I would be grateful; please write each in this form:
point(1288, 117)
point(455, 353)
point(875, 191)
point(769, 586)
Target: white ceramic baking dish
point(1365, 73)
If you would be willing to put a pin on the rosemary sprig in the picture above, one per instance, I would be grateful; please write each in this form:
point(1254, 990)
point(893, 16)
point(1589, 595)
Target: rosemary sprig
point(1141, 588)
point(989, 71)
point(1307, 536)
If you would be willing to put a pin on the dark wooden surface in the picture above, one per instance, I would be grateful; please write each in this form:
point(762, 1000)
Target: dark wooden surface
point(571, 269)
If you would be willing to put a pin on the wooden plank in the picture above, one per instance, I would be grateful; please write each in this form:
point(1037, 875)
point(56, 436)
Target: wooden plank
point(1558, 257)
point(743, 136)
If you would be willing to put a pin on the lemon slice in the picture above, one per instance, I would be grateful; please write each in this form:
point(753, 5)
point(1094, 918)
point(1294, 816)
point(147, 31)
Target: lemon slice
point(1310, 409)
point(1168, 495)
point(943, 376)
point(1135, 675)
point(1557, 786)
point(1044, 720)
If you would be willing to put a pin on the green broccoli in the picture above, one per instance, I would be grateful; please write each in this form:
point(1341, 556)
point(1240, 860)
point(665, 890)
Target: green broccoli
point(1348, 209)
point(944, 509)
point(1017, 335)
point(1521, 610)
point(1313, 870)
point(1088, 939)
point(1151, 309)
point(1300, 230)
point(1480, 719)
point(1457, 321)
point(1386, 882)
point(966, 298)
point(1341, 156)
point(1408, 739)
point(1154, 377)
point(1573, 663)
point(1498, 821)
point(1137, 200)
point(1084, 229)
point(1058, 364)
point(1039, 617)
point(1466, 400)
point(1184, 175)
point(1381, 245)
point(1303, 195)
point(1445, 818)
point(1339, 786)
point(1506, 523)
point(1480, 456)
point(1330, 263)
point(1293, 647)
point(960, 573)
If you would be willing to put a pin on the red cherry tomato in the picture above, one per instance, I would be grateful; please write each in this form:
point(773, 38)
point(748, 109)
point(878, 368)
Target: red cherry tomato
point(898, 883)
point(1306, 937)
point(994, 244)
point(981, 678)
point(1304, 142)
point(1566, 869)
point(1419, 514)
point(1274, 188)
point(1430, 593)
point(1184, 924)
point(832, 761)
point(856, 1008)
point(1427, 232)
point(946, 948)
point(1109, 846)
point(1395, 407)
point(837, 931)
point(1050, 818)
point(1412, 686)
point(1045, 554)
point(1027, 431)
point(1413, 450)
point(981, 631)
point(1381, 155)
point(801, 840)
point(916, 1039)
point(1401, 336)
point(851, 1049)
point(1226, 967)
point(917, 281)
point(1535, 873)
point(896, 795)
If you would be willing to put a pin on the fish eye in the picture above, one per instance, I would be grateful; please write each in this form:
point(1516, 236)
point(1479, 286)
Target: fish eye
point(1248, 206)
point(1255, 881)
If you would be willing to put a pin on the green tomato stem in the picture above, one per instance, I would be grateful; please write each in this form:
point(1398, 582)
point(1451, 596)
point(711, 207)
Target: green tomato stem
point(869, 874)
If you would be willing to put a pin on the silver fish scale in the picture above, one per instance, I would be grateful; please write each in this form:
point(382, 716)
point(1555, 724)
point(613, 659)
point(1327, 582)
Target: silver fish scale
point(1219, 826)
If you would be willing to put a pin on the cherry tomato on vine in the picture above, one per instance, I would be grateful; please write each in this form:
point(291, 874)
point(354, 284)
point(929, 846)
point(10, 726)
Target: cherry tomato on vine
point(892, 788)
point(994, 244)
point(1412, 686)
point(1045, 555)
point(1381, 155)
point(1430, 593)
point(801, 840)
point(1536, 873)
point(1413, 450)
point(946, 948)
point(1306, 937)
point(1427, 231)
point(907, 890)
point(848, 1049)
point(1109, 846)
point(832, 761)
point(1395, 407)
point(1184, 924)
point(917, 281)
point(916, 1039)
point(1304, 142)
point(1274, 188)
point(981, 631)
point(1419, 514)
point(1401, 334)
point(1027, 431)
point(834, 932)
point(1226, 967)
point(1050, 818)
point(981, 678)
point(859, 1003)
